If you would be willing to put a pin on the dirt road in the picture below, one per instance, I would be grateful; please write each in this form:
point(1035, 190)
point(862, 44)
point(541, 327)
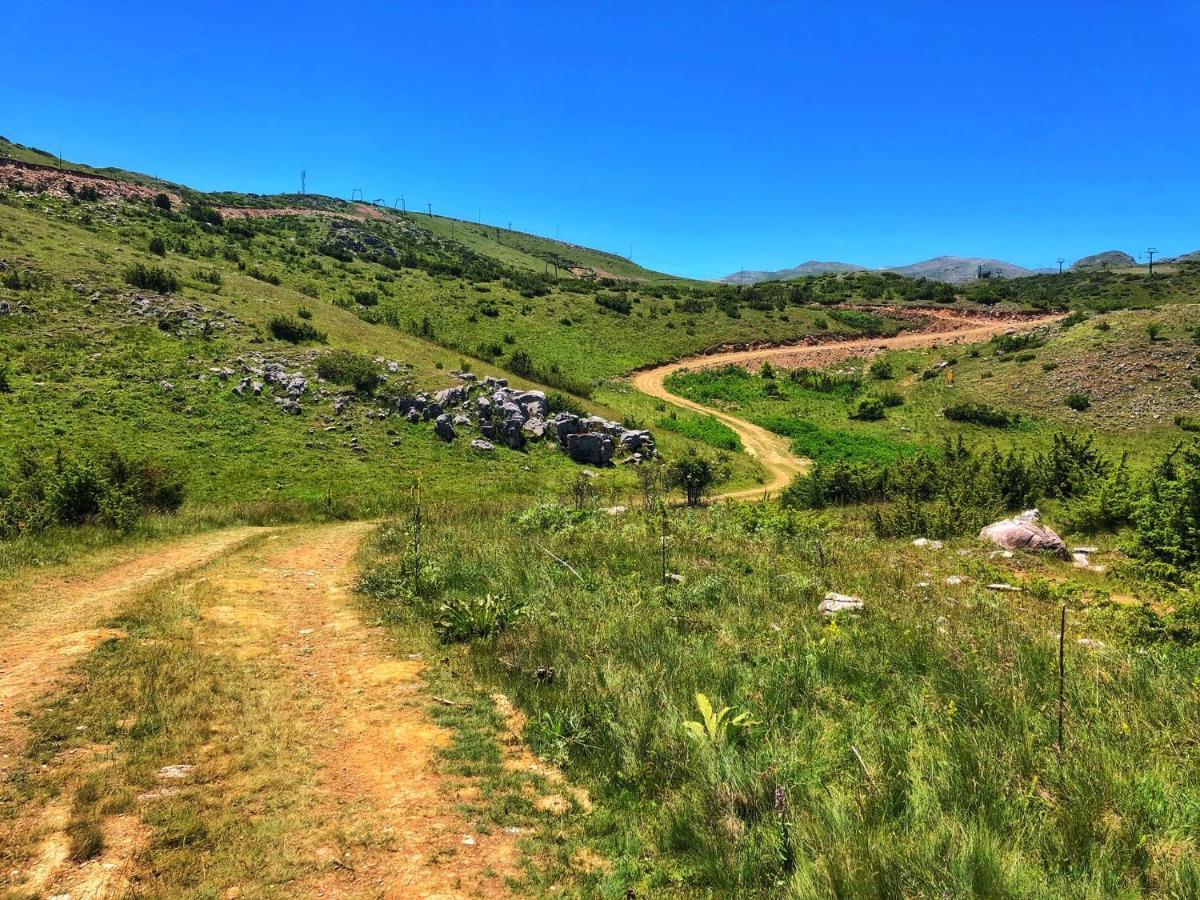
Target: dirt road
point(369, 812)
point(772, 450)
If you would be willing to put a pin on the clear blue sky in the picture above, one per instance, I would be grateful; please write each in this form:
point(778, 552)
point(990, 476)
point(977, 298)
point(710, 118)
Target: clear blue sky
point(707, 137)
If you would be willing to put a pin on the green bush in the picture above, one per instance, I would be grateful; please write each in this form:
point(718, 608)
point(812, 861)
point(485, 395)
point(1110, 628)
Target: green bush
point(1078, 402)
point(869, 409)
point(157, 246)
point(295, 331)
point(163, 202)
point(881, 369)
point(981, 414)
point(109, 489)
point(152, 278)
point(350, 368)
point(702, 428)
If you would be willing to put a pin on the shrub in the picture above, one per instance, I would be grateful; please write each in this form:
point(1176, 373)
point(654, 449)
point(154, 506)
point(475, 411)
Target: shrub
point(204, 214)
point(305, 313)
point(210, 276)
point(163, 202)
point(268, 277)
point(558, 402)
point(869, 409)
point(5, 384)
point(1078, 402)
point(348, 367)
point(366, 298)
point(295, 331)
point(980, 414)
point(881, 369)
point(618, 303)
point(152, 278)
point(157, 246)
point(110, 489)
point(88, 193)
point(891, 399)
point(694, 475)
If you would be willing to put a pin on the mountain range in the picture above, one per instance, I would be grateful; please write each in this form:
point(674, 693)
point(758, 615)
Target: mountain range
point(948, 269)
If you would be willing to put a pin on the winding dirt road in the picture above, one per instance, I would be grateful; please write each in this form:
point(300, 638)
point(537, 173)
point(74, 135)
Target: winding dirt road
point(774, 451)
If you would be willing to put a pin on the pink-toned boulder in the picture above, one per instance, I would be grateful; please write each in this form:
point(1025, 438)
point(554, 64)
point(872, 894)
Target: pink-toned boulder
point(1024, 533)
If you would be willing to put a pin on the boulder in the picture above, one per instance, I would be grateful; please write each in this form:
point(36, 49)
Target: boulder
point(565, 423)
point(461, 421)
point(535, 428)
point(483, 446)
point(444, 428)
point(589, 447)
point(513, 434)
point(835, 603)
point(413, 416)
point(433, 411)
point(533, 402)
point(491, 382)
point(1024, 533)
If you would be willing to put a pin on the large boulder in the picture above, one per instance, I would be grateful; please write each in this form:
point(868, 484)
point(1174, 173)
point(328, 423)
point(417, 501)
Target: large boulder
point(565, 423)
point(444, 428)
point(513, 435)
point(433, 411)
point(533, 402)
point(590, 448)
point(482, 446)
point(1024, 533)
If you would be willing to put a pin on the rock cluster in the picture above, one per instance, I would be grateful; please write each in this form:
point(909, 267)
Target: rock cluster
point(505, 415)
point(180, 318)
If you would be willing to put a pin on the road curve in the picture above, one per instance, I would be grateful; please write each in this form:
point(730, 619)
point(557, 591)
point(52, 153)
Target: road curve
point(774, 451)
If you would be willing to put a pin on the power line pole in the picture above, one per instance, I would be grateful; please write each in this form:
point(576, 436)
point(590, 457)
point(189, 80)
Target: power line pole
point(303, 181)
point(1060, 262)
point(1150, 251)
point(429, 206)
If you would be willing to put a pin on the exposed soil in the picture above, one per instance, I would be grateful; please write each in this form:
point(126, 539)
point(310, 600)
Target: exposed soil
point(54, 620)
point(774, 451)
point(359, 712)
point(50, 180)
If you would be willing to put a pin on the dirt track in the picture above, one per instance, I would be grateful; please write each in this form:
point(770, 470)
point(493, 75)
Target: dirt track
point(772, 450)
point(282, 598)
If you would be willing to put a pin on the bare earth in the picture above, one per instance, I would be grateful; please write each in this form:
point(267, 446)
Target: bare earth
point(357, 711)
point(773, 450)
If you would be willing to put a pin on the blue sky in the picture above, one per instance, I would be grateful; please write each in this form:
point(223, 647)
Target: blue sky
point(704, 137)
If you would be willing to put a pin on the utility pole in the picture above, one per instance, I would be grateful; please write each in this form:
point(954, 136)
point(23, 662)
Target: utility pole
point(429, 206)
point(1150, 251)
point(403, 205)
point(1060, 262)
point(358, 191)
point(303, 181)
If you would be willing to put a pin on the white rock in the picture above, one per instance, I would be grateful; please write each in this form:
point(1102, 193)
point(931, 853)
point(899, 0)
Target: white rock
point(955, 580)
point(835, 603)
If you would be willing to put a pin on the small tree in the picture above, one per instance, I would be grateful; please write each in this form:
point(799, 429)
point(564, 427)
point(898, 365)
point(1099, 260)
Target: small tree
point(158, 247)
point(693, 474)
point(163, 202)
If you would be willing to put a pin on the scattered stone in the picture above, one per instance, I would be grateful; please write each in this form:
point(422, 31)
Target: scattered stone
point(166, 387)
point(1091, 644)
point(955, 580)
point(1024, 533)
point(835, 603)
point(926, 542)
point(1005, 588)
point(180, 770)
point(482, 445)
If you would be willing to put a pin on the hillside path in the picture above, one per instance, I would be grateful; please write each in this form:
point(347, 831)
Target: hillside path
point(372, 814)
point(48, 622)
point(773, 450)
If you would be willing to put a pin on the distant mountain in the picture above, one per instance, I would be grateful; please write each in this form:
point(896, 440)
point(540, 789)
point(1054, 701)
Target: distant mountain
point(1194, 256)
point(951, 269)
point(957, 269)
point(812, 267)
point(1109, 259)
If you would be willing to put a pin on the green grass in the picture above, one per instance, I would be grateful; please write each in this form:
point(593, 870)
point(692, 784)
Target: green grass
point(914, 745)
point(704, 429)
point(825, 445)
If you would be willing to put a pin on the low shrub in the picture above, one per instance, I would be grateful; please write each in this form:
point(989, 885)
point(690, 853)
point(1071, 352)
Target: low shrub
point(295, 331)
point(869, 409)
point(1078, 402)
point(981, 414)
point(350, 368)
point(152, 278)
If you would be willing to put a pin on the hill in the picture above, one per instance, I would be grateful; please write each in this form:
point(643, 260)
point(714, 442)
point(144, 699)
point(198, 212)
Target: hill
point(1108, 259)
point(959, 269)
point(946, 269)
point(812, 267)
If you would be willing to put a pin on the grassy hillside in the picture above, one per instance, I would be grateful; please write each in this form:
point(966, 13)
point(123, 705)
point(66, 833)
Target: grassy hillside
point(1135, 398)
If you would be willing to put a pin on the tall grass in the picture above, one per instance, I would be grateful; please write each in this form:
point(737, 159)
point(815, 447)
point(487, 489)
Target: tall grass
point(906, 752)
